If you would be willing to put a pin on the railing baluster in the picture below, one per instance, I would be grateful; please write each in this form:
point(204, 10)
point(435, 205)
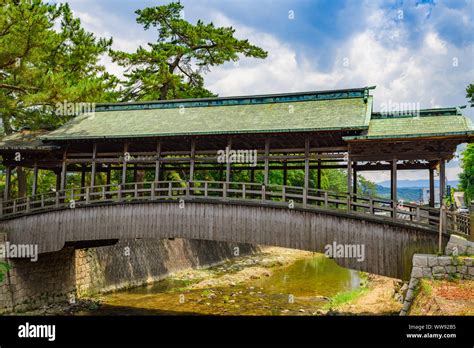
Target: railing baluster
point(243, 191)
point(283, 193)
point(152, 188)
point(205, 189)
point(224, 190)
point(57, 199)
point(103, 193)
point(27, 204)
point(264, 193)
point(135, 189)
point(170, 189)
point(87, 195)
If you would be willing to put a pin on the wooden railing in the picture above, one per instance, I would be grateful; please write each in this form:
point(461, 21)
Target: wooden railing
point(359, 205)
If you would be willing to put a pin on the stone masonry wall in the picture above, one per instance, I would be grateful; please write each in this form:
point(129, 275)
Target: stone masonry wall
point(60, 276)
point(458, 264)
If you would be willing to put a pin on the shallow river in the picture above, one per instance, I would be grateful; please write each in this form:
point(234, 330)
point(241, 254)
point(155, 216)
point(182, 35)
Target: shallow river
point(299, 288)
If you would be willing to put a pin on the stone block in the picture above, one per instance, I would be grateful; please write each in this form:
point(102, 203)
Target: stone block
point(427, 272)
point(450, 269)
point(469, 261)
point(414, 283)
point(438, 270)
point(417, 272)
point(420, 260)
point(470, 271)
point(432, 261)
point(445, 261)
point(462, 269)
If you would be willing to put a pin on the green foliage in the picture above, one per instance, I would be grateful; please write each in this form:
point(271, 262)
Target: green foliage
point(4, 268)
point(46, 57)
point(470, 93)
point(172, 67)
point(467, 176)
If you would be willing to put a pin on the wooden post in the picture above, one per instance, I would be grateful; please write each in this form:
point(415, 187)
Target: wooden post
point(8, 183)
point(191, 164)
point(267, 162)
point(109, 174)
point(34, 187)
point(252, 175)
point(432, 188)
point(318, 182)
point(393, 186)
point(63, 172)
point(354, 183)
point(442, 181)
point(157, 163)
point(228, 168)
point(94, 155)
point(471, 224)
point(285, 173)
point(349, 179)
point(58, 181)
point(306, 170)
point(124, 164)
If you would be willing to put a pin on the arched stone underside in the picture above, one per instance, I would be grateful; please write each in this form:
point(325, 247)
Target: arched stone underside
point(388, 246)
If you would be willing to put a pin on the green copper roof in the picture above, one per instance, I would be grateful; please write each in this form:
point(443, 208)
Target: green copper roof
point(310, 111)
point(24, 140)
point(427, 123)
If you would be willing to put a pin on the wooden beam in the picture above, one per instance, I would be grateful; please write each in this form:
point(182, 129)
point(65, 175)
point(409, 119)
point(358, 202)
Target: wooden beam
point(393, 186)
point(192, 160)
point(228, 168)
point(8, 183)
point(354, 178)
point(318, 182)
point(93, 170)
point(109, 174)
point(63, 171)
point(432, 188)
point(306, 170)
point(157, 163)
point(442, 181)
point(124, 164)
point(83, 177)
point(267, 153)
point(34, 187)
point(349, 174)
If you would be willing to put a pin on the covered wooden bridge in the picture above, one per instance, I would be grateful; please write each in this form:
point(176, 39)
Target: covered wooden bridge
point(124, 153)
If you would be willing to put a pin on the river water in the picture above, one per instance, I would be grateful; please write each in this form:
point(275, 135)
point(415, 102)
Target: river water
point(300, 288)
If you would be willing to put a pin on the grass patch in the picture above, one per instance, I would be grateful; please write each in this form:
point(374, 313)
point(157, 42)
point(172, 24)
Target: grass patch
point(345, 297)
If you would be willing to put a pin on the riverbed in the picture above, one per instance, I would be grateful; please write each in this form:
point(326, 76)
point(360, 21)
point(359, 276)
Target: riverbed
point(276, 282)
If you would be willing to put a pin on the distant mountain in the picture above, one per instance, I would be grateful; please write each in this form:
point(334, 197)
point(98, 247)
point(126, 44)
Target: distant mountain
point(407, 194)
point(415, 183)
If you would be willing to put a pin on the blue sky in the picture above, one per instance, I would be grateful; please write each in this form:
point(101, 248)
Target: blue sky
point(413, 51)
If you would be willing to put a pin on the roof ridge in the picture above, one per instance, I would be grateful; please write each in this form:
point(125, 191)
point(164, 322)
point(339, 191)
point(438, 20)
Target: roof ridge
point(361, 92)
